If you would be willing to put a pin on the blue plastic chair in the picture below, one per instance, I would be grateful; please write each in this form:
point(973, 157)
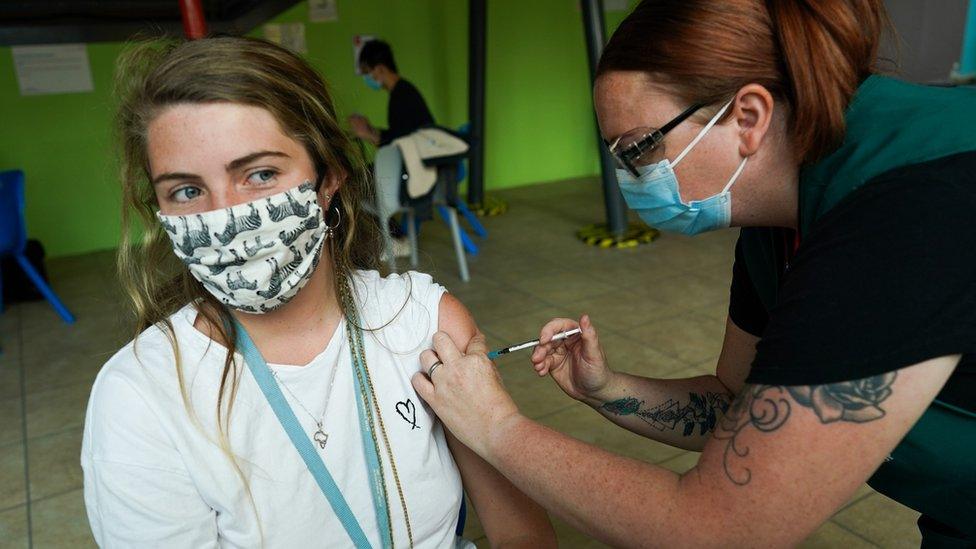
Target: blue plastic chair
point(459, 205)
point(13, 238)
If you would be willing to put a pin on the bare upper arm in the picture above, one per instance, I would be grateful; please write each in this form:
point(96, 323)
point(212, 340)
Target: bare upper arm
point(783, 459)
point(738, 351)
point(508, 516)
point(454, 319)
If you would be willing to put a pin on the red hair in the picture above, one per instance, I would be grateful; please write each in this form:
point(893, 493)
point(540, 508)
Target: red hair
point(813, 54)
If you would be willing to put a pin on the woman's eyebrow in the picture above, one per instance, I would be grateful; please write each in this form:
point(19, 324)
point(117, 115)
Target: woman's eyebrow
point(173, 175)
point(233, 165)
point(247, 159)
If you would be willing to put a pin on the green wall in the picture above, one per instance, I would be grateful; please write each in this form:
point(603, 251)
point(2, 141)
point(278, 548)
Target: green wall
point(63, 144)
point(539, 126)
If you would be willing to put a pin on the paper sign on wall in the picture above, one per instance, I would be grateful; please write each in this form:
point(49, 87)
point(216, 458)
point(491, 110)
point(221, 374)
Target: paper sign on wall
point(289, 35)
point(49, 69)
point(358, 42)
point(323, 10)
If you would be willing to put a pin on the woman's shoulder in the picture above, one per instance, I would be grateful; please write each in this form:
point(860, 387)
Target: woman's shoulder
point(405, 305)
point(149, 360)
point(135, 398)
point(372, 287)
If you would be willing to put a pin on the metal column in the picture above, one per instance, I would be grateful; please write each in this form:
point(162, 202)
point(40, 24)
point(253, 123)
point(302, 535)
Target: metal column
point(476, 100)
point(616, 209)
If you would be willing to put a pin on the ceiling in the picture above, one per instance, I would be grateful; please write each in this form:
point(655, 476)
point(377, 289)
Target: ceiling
point(60, 21)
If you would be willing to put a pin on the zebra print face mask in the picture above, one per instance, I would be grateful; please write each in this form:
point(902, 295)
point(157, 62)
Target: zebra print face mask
point(253, 257)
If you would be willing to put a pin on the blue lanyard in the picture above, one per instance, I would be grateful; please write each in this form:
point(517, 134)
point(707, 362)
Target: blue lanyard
point(262, 374)
point(372, 459)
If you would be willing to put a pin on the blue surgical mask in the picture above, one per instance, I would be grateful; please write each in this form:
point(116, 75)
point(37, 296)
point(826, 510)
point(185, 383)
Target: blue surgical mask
point(656, 198)
point(372, 82)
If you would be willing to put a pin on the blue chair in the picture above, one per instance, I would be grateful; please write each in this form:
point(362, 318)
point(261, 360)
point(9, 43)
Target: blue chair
point(13, 238)
point(448, 206)
point(445, 202)
point(456, 174)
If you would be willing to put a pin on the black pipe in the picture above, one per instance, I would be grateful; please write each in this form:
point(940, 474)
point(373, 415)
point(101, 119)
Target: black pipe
point(476, 100)
point(616, 209)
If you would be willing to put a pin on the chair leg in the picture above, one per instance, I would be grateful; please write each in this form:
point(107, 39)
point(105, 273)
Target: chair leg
point(469, 244)
point(452, 221)
point(403, 223)
point(46, 290)
point(411, 222)
point(473, 220)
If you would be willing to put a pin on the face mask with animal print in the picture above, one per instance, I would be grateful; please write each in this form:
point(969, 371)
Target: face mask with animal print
point(253, 257)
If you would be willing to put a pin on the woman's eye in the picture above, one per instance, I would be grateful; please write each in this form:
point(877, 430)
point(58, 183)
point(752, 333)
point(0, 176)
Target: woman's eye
point(185, 194)
point(261, 177)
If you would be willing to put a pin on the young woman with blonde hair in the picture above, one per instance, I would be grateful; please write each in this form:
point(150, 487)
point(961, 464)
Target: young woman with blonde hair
point(266, 399)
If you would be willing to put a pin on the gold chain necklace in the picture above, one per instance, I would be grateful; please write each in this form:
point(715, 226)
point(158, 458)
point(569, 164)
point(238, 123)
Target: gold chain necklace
point(386, 439)
point(372, 434)
point(356, 343)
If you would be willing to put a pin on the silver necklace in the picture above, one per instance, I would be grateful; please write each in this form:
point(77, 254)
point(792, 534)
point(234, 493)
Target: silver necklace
point(320, 436)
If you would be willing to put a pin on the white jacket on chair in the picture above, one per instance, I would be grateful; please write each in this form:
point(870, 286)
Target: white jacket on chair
point(426, 144)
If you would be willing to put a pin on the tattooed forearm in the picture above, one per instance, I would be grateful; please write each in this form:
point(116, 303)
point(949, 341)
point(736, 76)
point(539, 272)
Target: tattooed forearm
point(702, 410)
point(768, 407)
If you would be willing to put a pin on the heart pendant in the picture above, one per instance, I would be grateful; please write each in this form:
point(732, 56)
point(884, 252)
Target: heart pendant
point(321, 438)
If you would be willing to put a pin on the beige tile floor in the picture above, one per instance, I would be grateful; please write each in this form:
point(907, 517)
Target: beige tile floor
point(660, 309)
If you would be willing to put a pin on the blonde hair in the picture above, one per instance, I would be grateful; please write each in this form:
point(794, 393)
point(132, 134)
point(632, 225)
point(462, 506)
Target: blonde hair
point(157, 74)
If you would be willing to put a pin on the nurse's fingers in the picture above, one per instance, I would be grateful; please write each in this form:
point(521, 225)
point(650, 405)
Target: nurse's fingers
point(544, 367)
point(546, 345)
point(478, 345)
point(591, 342)
point(427, 359)
point(445, 348)
point(556, 326)
point(421, 381)
point(424, 387)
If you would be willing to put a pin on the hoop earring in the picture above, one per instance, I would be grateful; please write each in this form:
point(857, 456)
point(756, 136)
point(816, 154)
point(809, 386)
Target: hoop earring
point(330, 229)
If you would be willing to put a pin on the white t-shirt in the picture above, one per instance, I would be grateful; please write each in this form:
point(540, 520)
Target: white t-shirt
point(153, 478)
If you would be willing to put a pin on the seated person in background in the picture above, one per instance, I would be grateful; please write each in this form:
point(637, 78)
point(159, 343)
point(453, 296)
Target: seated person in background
point(407, 112)
point(255, 243)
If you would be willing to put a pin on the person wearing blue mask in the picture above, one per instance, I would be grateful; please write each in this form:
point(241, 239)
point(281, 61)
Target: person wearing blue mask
point(850, 344)
point(407, 112)
point(652, 189)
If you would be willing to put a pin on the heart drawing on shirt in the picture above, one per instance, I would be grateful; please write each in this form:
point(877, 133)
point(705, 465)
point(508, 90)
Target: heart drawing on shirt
point(408, 412)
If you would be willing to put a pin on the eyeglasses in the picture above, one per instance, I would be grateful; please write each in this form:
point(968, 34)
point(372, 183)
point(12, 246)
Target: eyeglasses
point(644, 146)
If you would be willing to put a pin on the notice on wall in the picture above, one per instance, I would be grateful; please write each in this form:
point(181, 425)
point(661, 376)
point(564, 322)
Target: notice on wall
point(320, 11)
point(289, 35)
point(51, 69)
point(358, 42)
